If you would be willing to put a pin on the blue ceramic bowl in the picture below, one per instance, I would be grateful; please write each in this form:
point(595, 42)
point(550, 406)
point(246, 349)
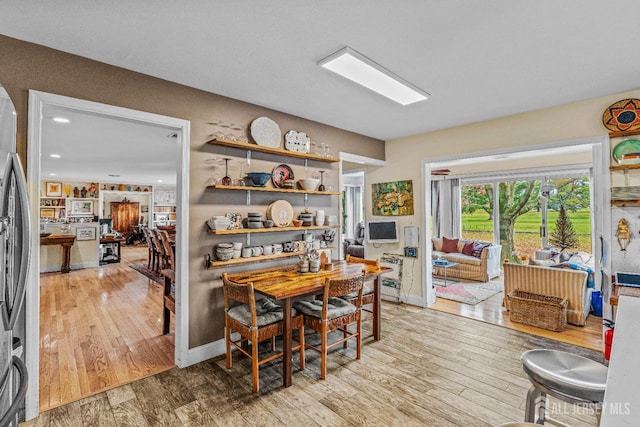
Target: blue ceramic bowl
point(259, 179)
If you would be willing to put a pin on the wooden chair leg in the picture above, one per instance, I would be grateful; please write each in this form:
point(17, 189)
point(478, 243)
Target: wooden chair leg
point(227, 339)
point(359, 337)
point(323, 358)
point(301, 341)
point(255, 364)
point(345, 332)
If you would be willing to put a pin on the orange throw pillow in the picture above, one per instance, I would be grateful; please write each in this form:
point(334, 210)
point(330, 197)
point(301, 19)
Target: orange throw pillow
point(449, 245)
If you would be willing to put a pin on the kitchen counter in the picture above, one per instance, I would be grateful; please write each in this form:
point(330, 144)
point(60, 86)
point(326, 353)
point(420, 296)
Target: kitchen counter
point(622, 399)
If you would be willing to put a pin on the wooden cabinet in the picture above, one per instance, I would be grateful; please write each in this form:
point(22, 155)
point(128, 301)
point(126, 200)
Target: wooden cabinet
point(126, 216)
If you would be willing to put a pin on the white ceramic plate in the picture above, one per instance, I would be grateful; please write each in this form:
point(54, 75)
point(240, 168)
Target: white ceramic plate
point(266, 132)
point(281, 213)
point(297, 141)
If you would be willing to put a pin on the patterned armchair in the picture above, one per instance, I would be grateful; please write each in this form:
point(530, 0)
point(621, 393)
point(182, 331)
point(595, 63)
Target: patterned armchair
point(355, 246)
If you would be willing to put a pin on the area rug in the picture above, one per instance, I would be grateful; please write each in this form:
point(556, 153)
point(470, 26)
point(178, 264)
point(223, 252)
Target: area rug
point(468, 292)
point(141, 268)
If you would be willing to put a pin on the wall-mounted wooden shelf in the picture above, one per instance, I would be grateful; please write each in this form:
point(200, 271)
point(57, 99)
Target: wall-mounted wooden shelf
point(278, 151)
point(625, 203)
point(272, 190)
point(624, 167)
point(271, 230)
point(253, 259)
point(618, 134)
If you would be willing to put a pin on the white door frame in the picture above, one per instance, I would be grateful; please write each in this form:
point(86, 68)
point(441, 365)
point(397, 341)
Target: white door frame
point(600, 214)
point(37, 101)
point(364, 161)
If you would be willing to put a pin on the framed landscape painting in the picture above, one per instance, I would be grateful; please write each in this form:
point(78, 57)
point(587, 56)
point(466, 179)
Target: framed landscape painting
point(392, 198)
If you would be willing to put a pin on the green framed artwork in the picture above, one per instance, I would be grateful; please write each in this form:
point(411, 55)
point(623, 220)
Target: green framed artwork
point(392, 198)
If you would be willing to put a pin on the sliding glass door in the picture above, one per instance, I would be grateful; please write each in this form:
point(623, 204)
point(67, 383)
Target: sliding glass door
point(526, 219)
point(476, 205)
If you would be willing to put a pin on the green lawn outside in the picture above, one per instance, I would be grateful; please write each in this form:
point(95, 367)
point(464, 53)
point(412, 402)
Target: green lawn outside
point(478, 226)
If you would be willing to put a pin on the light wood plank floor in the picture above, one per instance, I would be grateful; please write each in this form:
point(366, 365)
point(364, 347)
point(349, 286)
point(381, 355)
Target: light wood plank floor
point(491, 311)
point(429, 369)
point(100, 328)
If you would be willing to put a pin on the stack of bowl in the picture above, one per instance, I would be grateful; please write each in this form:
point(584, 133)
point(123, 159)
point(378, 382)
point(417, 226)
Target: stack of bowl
point(254, 220)
point(307, 218)
point(224, 251)
point(237, 249)
point(288, 183)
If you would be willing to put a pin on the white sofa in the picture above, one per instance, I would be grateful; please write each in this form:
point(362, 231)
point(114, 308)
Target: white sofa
point(470, 267)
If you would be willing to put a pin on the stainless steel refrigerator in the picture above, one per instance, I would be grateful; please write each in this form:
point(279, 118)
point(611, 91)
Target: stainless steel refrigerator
point(14, 262)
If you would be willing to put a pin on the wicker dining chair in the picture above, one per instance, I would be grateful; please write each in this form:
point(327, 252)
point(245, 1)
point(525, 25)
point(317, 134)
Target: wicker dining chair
point(334, 313)
point(368, 296)
point(255, 321)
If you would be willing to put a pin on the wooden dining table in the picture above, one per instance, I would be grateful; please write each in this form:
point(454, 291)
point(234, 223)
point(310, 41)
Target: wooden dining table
point(287, 285)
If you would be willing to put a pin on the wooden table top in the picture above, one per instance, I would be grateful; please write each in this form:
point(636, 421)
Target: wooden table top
point(107, 239)
point(619, 291)
point(57, 239)
point(281, 283)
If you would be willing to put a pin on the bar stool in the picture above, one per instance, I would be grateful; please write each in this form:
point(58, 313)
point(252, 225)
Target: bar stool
point(565, 376)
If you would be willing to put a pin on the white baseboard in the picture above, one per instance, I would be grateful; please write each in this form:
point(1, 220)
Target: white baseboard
point(412, 300)
point(202, 353)
point(80, 266)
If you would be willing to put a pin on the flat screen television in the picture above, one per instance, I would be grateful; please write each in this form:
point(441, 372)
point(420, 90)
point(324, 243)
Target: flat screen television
point(382, 231)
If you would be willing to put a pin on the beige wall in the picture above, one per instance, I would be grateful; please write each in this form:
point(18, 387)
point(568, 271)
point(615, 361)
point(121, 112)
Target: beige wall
point(562, 123)
point(27, 66)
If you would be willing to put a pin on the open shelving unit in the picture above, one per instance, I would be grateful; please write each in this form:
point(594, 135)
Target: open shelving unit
point(272, 190)
point(249, 147)
point(279, 151)
point(272, 229)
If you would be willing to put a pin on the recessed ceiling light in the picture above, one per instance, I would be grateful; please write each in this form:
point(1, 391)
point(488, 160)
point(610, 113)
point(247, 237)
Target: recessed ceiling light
point(358, 68)
point(61, 120)
point(160, 180)
point(55, 156)
point(52, 174)
point(114, 175)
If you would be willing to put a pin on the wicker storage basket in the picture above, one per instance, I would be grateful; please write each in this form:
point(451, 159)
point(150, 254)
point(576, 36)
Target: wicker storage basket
point(538, 310)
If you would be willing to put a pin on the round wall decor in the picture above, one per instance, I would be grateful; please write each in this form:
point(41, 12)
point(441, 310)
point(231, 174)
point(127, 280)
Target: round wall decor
point(623, 115)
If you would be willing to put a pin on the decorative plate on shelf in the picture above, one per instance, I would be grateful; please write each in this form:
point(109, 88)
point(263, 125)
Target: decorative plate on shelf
point(281, 213)
point(623, 115)
point(297, 141)
point(627, 152)
point(280, 174)
point(266, 132)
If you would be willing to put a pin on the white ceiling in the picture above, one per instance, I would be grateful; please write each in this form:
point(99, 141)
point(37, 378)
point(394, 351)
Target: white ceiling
point(93, 147)
point(478, 59)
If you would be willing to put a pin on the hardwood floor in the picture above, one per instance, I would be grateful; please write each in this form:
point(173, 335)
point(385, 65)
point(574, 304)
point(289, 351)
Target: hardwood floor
point(429, 369)
point(100, 328)
point(491, 311)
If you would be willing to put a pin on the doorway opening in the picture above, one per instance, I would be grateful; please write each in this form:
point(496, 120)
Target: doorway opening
point(534, 176)
point(132, 161)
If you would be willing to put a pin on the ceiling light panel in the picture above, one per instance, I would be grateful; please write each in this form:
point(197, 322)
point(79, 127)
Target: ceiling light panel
point(358, 68)
point(61, 120)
